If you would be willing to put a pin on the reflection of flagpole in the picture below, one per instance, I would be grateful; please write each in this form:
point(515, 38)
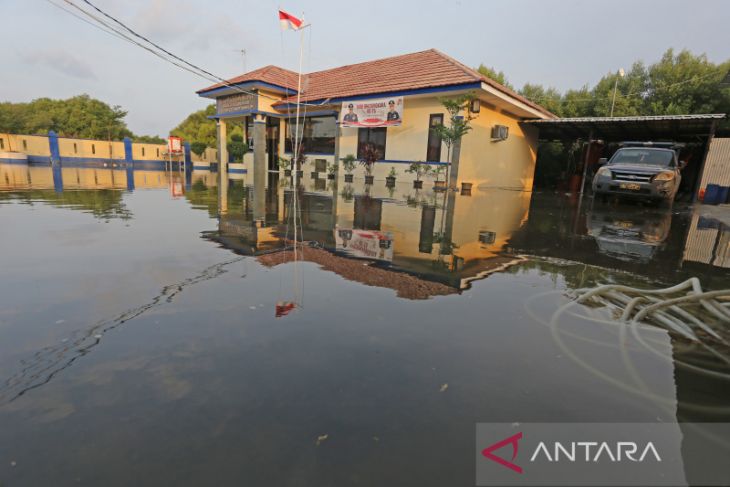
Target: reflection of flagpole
point(297, 149)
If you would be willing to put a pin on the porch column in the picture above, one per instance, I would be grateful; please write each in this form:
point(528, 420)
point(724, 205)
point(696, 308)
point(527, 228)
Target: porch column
point(222, 146)
point(222, 168)
point(259, 166)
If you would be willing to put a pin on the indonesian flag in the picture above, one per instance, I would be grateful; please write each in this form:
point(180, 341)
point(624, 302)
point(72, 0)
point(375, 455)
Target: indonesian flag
point(288, 21)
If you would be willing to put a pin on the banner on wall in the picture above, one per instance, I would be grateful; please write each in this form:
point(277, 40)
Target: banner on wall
point(382, 112)
point(365, 244)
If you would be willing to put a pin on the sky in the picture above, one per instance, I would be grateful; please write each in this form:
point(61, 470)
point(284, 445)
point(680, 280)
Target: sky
point(564, 44)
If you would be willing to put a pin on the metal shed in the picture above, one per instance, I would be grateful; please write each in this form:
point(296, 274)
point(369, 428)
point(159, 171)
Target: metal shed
point(698, 129)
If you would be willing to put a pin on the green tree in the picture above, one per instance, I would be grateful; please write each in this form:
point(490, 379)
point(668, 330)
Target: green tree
point(236, 147)
point(495, 75)
point(79, 116)
point(197, 127)
point(198, 147)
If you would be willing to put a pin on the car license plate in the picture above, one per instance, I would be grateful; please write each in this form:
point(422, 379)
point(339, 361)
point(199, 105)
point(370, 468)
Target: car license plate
point(631, 186)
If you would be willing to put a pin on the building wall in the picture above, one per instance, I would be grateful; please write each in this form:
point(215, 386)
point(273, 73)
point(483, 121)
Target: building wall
point(82, 150)
point(506, 163)
point(28, 144)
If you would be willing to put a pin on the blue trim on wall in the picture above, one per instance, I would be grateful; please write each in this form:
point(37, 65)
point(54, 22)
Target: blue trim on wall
point(7, 160)
point(53, 146)
point(312, 153)
point(397, 161)
point(237, 171)
point(244, 113)
point(128, 157)
point(321, 113)
point(247, 85)
point(99, 163)
point(420, 91)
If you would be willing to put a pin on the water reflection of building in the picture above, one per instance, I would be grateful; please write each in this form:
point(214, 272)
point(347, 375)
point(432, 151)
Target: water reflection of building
point(434, 237)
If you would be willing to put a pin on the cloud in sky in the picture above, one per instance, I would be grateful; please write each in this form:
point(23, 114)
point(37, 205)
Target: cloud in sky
point(560, 43)
point(61, 61)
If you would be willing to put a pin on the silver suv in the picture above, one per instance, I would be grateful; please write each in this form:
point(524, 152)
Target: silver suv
point(648, 170)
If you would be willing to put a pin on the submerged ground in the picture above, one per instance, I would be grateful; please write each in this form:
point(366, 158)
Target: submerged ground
point(139, 343)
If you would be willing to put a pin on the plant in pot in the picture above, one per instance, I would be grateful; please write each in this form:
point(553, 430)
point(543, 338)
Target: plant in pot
point(347, 193)
point(368, 157)
point(332, 170)
point(348, 164)
point(285, 164)
point(420, 169)
point(458, 127)
point(390, 178)
point(438, 184)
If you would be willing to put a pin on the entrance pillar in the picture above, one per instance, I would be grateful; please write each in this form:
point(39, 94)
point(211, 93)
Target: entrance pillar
point(222, 146)
point(259, 165)
point(222, 168)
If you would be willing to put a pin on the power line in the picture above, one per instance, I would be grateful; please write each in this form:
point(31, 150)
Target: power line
point(168, 56)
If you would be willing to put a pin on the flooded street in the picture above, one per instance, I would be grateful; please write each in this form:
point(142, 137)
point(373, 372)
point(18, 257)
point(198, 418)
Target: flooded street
point(140, 343)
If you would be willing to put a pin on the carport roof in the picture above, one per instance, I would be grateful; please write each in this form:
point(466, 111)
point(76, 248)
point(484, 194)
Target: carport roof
point(657, 127)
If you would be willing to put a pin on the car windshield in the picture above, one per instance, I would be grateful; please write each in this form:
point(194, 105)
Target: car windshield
point(652, 157)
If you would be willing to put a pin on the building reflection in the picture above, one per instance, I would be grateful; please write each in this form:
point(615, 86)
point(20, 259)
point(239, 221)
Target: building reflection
point(434, 237)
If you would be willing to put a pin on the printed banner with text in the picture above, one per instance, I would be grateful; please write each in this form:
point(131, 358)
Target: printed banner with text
point(383, 112)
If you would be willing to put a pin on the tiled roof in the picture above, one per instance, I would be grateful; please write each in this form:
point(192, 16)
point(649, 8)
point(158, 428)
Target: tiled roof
point(419, 70)
point(268, 74)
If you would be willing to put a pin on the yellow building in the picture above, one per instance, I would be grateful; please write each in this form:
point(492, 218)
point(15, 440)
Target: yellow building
point(497, 152)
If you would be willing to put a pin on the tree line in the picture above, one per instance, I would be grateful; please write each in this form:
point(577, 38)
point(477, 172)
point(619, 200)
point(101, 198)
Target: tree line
point(80, 116)
point(679, 83)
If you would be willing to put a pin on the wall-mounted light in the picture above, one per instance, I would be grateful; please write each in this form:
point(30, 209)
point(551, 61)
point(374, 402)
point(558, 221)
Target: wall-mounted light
point(476, 105)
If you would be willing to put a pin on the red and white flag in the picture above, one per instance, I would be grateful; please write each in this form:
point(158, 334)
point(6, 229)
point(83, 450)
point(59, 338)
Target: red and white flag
point(288, 21)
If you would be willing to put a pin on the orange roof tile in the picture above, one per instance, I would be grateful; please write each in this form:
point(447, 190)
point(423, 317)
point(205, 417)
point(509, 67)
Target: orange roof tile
point(419, 70)
point(268, 74)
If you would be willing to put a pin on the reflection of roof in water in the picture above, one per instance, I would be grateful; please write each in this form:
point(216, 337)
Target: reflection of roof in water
point(405, 285)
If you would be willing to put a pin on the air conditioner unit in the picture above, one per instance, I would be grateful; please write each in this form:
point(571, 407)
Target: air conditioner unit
point(500, 132)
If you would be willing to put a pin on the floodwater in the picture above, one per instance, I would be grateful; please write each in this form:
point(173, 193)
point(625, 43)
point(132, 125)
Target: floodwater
point(139, 342)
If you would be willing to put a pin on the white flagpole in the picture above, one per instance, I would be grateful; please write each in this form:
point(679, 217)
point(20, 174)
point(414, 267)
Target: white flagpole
point(297, 149)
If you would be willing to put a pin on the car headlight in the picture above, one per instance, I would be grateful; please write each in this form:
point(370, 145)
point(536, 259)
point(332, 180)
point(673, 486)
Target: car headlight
point(664, 176)
point(604, 171)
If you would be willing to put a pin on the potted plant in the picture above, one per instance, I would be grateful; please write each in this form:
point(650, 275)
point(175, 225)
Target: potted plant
point(348, 164)
point(332, 170)
point(420, 169)
point(369, 155)
point(390, 178)
point(285, 164)
point(347, 193)
point(436, 173)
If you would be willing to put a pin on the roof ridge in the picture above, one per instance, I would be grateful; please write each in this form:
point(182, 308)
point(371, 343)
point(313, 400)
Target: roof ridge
point(372, 61)
point(460, 65)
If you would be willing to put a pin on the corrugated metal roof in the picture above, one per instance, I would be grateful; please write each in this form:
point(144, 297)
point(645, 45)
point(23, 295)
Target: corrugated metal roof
point(717, 165)
point(652, 127)
point(646, 118)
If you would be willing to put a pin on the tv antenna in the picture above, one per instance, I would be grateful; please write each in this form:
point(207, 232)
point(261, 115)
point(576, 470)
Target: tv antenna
point(242, 52)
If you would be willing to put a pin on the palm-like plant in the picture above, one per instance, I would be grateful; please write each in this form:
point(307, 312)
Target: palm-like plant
point(368, 157)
